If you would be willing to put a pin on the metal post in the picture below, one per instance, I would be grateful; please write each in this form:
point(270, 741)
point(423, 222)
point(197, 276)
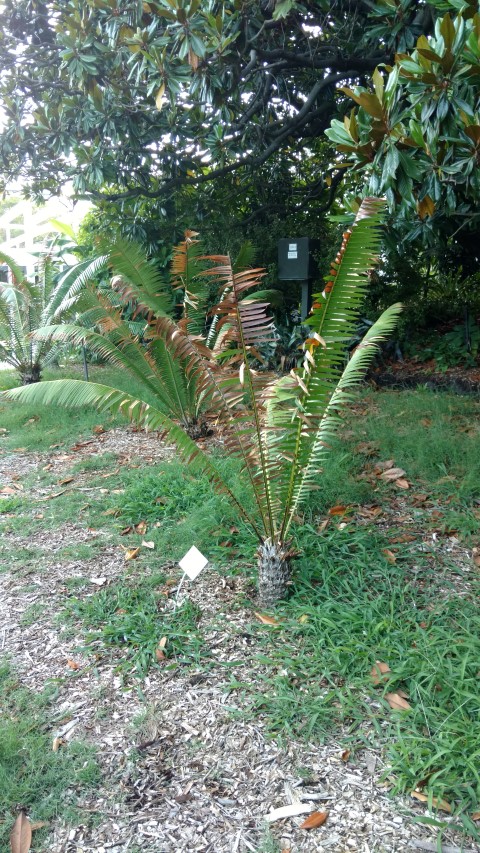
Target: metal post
point(306, 299)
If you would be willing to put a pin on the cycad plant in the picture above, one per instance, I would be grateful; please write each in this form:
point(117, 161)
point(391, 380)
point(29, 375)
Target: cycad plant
point(25, 305)
point(281, 428)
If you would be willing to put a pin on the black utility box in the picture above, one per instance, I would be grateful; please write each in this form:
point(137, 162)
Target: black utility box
point(294, 261)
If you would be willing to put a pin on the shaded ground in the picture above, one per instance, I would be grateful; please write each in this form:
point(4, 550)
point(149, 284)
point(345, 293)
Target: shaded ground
point(185, 765)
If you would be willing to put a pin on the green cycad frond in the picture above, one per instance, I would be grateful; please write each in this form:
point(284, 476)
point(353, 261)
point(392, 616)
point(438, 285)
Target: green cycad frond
point(75, 393)
point(70, 286)
point(312, 454)
point(333, 320)
point(139, 279)
point(187, 275)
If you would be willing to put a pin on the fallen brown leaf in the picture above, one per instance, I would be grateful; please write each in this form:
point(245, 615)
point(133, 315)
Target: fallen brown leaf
point(39, 824)
point(126, 530)
point(437, 804)
point(392, 474)
point(401, 483)
point(389, 555)
point(266, 620)
point(7, 490)
point(379, 672)
point(131, 553)
point(159, 653)
point(21, 834)
point(345, 754)
point(150, 545)
point(66, 481)
point(338, 510)
point(57, 743)
point(476, 816)
point(397, 702)
point(72, 664)
point(141, 528)
point(314, 820)
point(98, 429)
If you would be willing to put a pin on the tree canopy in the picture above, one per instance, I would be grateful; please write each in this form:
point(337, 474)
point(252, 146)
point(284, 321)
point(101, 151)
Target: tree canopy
point(134, 99)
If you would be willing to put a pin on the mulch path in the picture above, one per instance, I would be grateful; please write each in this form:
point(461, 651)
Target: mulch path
point(184, 765)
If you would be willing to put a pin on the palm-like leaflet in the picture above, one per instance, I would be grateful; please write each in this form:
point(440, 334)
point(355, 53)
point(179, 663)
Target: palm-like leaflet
point(280, 427)
point(25, 305)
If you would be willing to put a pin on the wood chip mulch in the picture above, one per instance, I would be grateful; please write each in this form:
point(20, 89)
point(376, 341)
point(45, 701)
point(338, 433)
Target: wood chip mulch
point(184, 765)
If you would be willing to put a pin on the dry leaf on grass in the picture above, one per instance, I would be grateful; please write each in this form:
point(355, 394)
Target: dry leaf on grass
point(7, 490)
point(338, 510)
point(73, 664)
point(476, 816)
point(379, 672)
point(401, 483)
point(21, 834)
point(266, 620)
point(57, 743)
point(345, 754)
point(437, 804)
point(99, 429)
point(150, 545)
point(141, 528)
point(314, 820)
point(397, 702)
point(131, 553)
point(392, 474)
point(159, 653)
point(389, 555)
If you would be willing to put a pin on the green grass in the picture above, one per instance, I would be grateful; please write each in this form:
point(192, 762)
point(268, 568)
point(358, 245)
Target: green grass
point(350, 608)
point(183, 510)
point(45, 783)
point(132, 616)
point(432, 436)
point(39, 427)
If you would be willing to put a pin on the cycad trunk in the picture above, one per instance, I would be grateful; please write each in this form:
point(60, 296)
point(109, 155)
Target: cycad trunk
point(30, 373)
point(274, 571)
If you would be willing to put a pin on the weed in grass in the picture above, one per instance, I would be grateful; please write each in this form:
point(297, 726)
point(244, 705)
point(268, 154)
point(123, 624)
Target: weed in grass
point(129, 615)
point(44, 782)
point(350, 608)
point(8, 505)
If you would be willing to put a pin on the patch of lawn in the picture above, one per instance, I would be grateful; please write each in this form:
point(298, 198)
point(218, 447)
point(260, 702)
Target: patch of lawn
point(352, 607)
point(46, 783)
point(435, 437)
point(182, 510)
point(131, 615)
point(39, 427)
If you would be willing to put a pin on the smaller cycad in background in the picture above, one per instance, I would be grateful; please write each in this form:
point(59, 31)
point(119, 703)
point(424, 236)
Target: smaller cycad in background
point(26, 305)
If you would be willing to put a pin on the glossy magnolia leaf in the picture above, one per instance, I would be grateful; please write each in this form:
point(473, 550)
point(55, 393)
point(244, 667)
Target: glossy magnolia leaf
point(159, 97)
point(314, 820)
point(21, 834)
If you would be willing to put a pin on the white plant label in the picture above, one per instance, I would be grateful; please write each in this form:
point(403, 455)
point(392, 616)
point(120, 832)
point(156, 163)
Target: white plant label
point(192, 563)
